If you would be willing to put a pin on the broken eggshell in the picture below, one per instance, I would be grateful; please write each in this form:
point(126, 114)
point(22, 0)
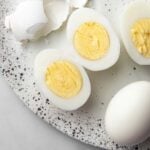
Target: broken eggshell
point(36, 18)
point(77, 3)
point(28, 19)
point(57, 12)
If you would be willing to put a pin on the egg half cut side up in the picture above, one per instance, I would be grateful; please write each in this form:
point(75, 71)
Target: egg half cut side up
point(93, 41)
point(135, 30)
point(61, 80)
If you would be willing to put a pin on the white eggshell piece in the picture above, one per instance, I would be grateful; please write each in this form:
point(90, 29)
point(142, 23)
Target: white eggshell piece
point(28, 19)
point(57, 12)
point(7, 22)
point(77, 3)
point(19, 33)
point(127, 118)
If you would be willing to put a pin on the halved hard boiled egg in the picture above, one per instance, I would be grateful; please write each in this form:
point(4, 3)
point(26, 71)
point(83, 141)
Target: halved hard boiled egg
point(62, 80)
point(95, 44)
point(135, 30)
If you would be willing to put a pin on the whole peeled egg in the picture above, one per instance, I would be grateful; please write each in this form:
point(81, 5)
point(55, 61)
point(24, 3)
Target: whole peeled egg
point(135, 30)
point(92, 39)
point(127, 118)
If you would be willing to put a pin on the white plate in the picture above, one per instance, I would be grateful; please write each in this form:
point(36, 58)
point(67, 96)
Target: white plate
point(86, 124)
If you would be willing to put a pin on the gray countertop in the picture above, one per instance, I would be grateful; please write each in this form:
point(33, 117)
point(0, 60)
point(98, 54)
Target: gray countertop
point(20, 129)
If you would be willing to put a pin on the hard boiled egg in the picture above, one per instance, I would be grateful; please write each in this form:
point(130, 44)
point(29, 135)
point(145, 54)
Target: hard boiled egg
point(94, 43)
point(61, 80)
point(127, 118)
point(135, 30)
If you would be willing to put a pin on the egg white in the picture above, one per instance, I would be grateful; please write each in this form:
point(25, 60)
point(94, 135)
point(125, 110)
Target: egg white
point(127, 116)
point(81, 16)
point(42, 61)
point(133, 11)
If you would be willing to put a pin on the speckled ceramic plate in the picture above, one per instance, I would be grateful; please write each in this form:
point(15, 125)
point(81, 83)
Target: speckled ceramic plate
point(86, 124)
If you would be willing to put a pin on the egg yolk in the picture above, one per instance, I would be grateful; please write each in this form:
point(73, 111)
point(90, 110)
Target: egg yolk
point(91, 40)
point(63, 78)
point(140, 34)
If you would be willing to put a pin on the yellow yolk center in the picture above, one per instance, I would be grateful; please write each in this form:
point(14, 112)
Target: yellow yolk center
point(140, 34)
point(91, 40)
point(63, 78)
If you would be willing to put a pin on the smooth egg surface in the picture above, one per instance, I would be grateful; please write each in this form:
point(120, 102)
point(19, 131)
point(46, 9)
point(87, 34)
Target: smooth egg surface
point(127, 119)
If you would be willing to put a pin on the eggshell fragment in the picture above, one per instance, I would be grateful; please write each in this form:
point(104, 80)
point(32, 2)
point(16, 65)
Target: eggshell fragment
point(28, 19)
point(77, 3)
point(7, 22)
point(57, 12)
